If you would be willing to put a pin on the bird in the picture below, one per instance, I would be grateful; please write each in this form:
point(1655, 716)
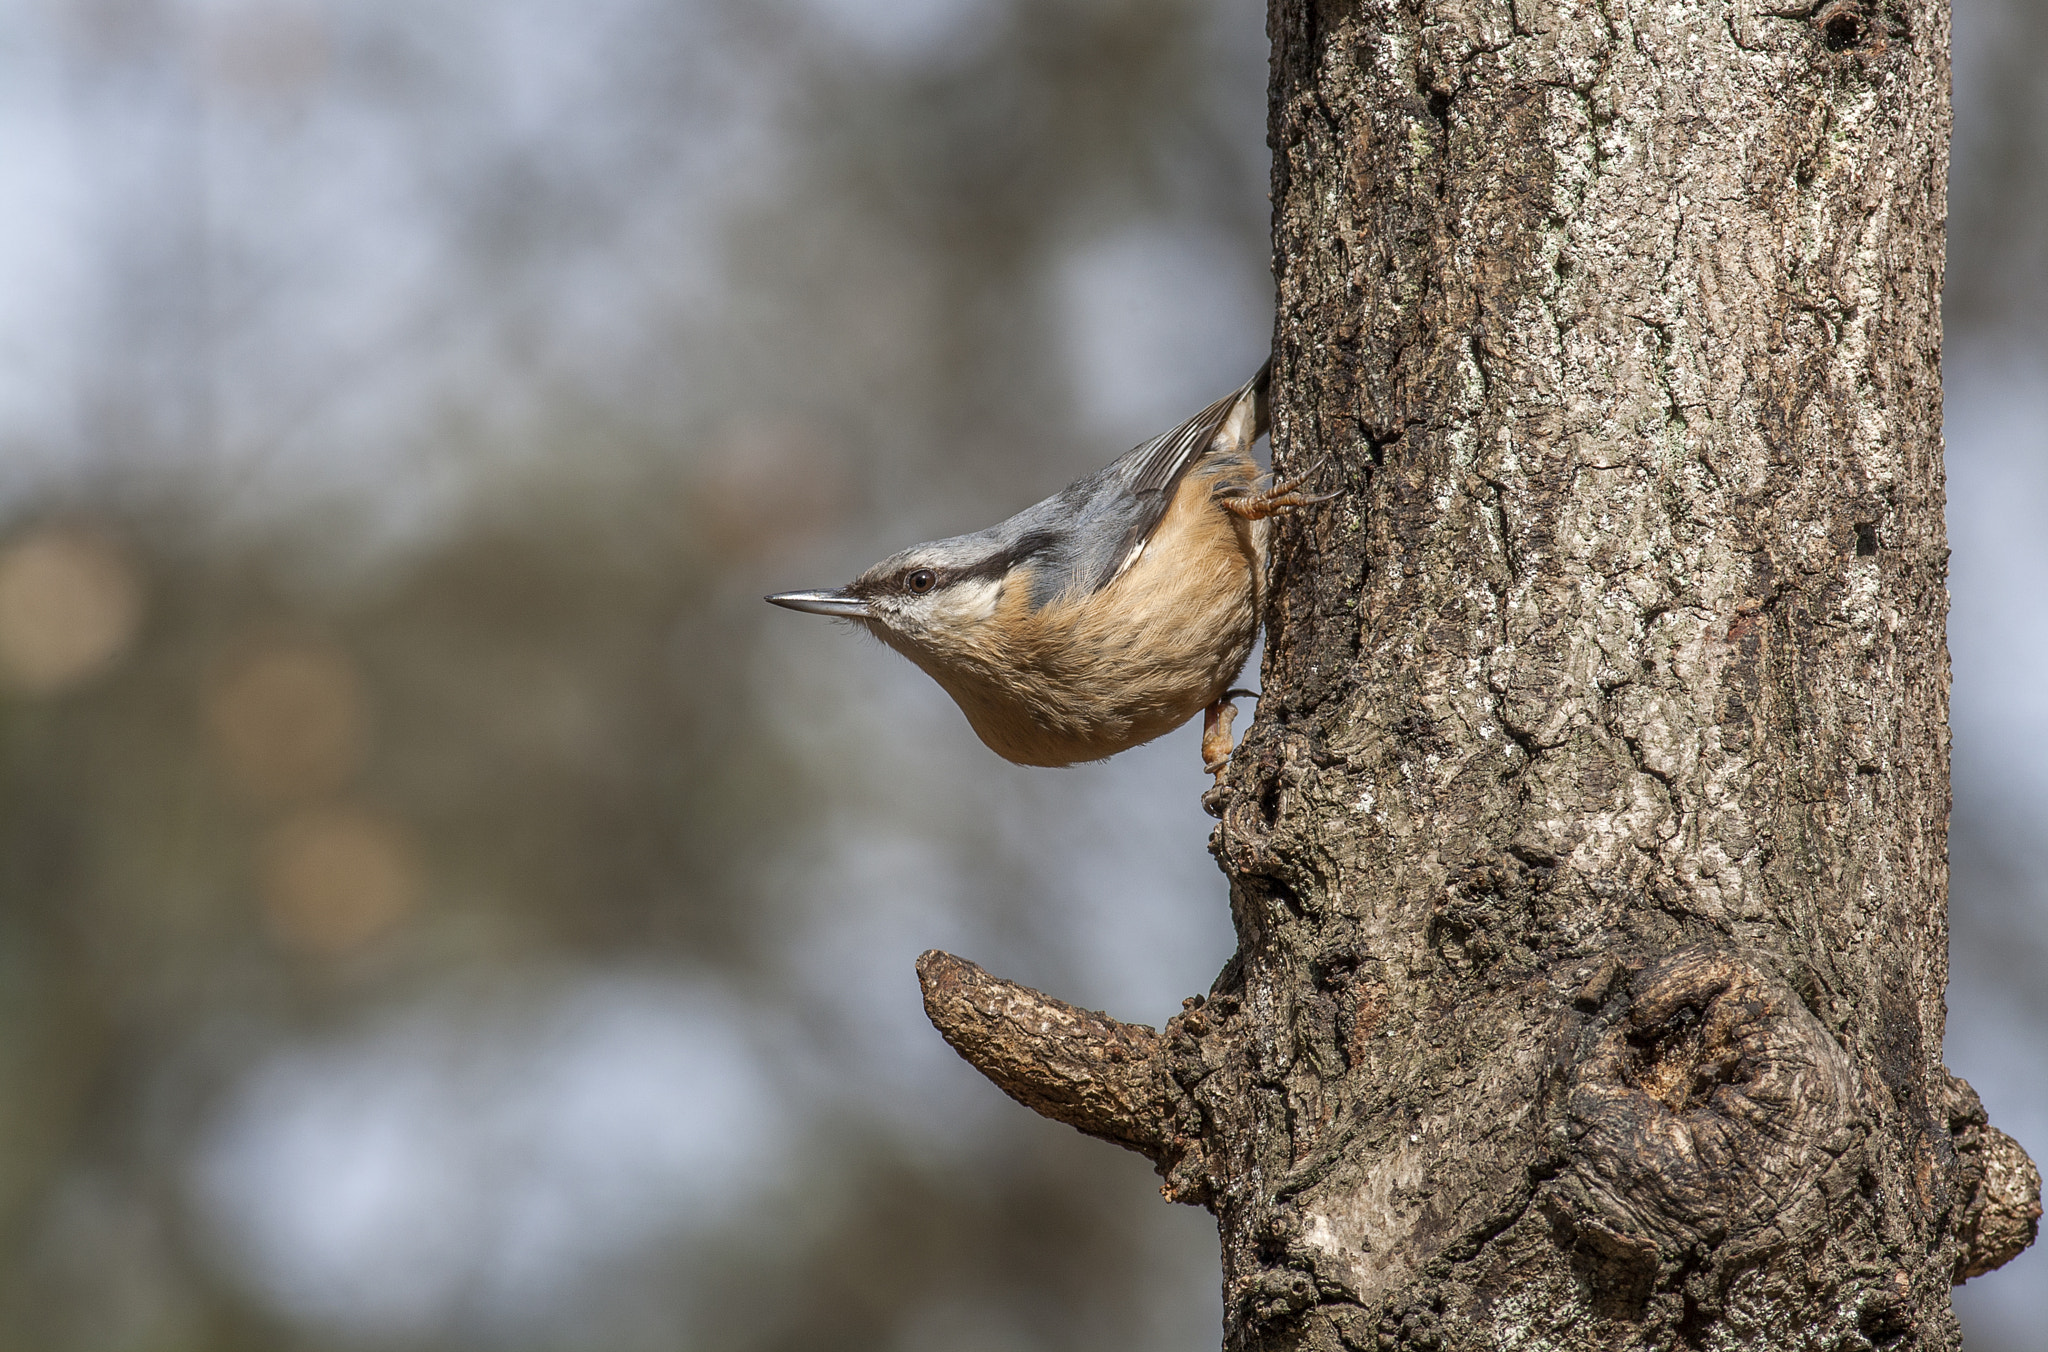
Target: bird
point(1104, 616)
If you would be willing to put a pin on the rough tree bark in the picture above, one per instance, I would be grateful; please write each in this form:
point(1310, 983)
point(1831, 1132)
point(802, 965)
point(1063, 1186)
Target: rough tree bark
point(1588, 852)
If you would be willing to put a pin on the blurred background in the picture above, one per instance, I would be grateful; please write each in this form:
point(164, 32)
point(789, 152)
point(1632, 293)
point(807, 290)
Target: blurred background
point(440, 906)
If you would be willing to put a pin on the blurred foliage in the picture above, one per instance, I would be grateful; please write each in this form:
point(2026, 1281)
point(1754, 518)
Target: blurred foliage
point(1998, 198)
point(382, 630)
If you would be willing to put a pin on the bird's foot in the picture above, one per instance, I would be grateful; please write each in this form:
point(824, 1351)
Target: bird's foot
point(1275, 498)
point(1216, 721)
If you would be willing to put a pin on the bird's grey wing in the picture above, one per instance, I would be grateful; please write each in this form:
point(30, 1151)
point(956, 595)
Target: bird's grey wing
point(1145, 479)
point(1123, 502)
point(1159, 463)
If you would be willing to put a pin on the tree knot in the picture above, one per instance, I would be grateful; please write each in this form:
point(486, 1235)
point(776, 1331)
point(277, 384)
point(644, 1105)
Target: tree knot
point(1703, 1107)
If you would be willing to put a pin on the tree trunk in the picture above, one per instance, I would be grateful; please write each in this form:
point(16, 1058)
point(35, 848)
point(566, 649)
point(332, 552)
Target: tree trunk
point(1588, 852)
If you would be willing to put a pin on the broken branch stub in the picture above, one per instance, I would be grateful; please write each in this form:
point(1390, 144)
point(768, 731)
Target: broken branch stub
point(2001, 1212)
point(1120, 1082)
point(1097, 1075)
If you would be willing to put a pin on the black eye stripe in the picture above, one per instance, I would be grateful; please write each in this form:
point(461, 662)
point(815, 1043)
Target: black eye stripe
point(993, 568)
point(998, 566)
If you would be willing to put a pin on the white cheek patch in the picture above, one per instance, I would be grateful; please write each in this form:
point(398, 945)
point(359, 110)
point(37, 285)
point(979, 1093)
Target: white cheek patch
point(966, 603)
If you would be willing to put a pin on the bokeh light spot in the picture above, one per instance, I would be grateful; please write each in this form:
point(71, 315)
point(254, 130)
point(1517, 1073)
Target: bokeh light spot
point(772, 482)
point(69, 607)
point(265, 49)
point(288, 720)
point(334, 878)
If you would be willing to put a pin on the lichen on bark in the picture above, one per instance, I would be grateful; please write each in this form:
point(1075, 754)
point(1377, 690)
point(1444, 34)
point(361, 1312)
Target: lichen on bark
point(1588, 853)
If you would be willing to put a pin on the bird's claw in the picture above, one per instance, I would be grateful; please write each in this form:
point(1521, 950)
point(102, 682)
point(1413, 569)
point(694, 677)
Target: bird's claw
point(1215, 799)
point(1275, 498)
point(1216, 721)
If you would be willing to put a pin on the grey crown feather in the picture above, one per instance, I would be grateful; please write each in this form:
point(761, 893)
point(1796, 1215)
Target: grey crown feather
point(1078, 540)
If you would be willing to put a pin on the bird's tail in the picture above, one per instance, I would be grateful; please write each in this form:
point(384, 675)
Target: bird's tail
point(1250, 412)
point(1237, 419)
point(1260, 388)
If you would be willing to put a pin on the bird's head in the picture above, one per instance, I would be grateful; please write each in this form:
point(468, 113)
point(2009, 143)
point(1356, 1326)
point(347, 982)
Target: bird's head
point(932, 600)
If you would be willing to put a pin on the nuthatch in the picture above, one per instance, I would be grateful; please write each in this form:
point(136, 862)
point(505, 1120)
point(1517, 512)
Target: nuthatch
point(1104, 616)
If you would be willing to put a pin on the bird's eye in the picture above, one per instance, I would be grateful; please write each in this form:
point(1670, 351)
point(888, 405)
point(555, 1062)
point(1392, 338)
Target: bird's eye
point(920, 580)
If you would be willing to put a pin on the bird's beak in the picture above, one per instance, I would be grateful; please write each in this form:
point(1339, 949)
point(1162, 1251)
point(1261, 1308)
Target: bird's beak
point(822, 603)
